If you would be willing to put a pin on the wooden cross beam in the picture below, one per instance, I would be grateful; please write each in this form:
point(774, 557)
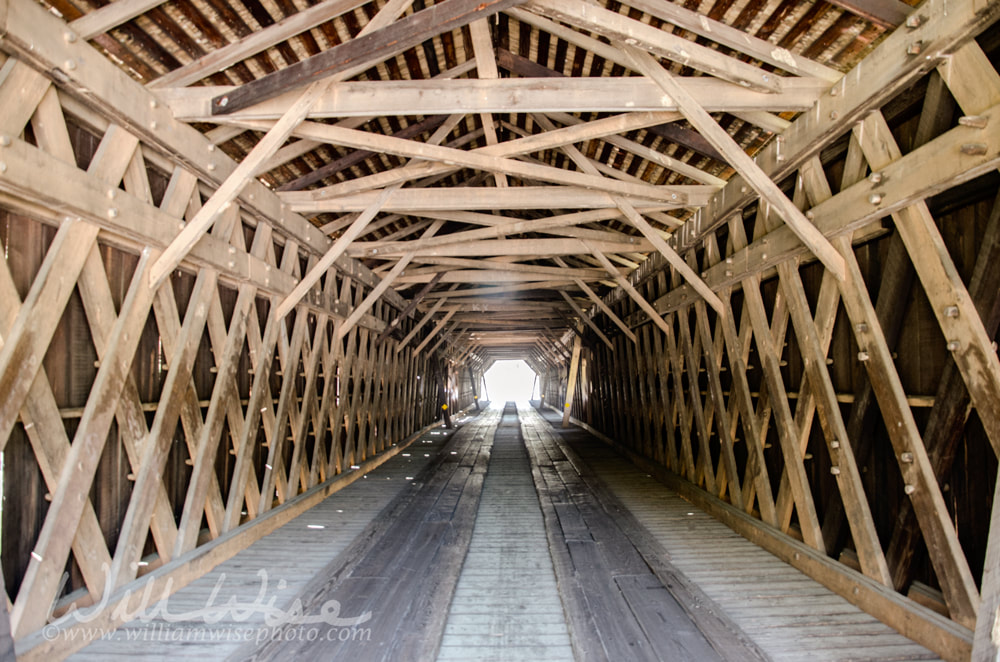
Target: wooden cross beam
point(359, 53)
point(636, 219)
point(230, 189)
point(751, 172)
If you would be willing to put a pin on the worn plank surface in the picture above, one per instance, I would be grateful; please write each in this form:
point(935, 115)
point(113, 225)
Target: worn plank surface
point(395, 582)
point(618, 605)
point(506, 605)
point(784, 612)
point(269, 574)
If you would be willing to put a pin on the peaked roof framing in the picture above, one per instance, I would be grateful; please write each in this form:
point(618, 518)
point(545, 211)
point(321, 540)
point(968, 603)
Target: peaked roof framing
point(540, 152)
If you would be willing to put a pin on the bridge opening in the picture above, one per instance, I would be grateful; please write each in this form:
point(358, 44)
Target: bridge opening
point(511, 380)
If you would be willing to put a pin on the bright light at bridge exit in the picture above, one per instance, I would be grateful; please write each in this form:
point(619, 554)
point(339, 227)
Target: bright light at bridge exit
point(510, 380)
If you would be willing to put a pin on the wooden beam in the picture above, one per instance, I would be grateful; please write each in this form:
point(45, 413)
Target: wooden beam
point(852, 209)
point(357, 156)
point(574, 368)
point(248, 46)
point(410, 306)
point(335, 251)
point(740, 40)
point(477, 160)
point(424, 320)
point(358, 54)
point(636, 219)
point(437, 328)
point(888, 14)
point(886, 71)
point(230, 189)
point(584, 317)
point(743, 164)
point(946, 553)
point(504, 95)
point(383, 285)
point(618, 27)
point(110, 16)
point(417, 200)
point(276, 135)
point(684, 137)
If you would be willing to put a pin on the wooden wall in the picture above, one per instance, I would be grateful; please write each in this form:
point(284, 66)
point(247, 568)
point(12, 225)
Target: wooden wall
point(856, 416)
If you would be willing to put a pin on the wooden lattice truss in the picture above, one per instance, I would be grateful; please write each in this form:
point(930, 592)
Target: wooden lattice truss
point(516, 243)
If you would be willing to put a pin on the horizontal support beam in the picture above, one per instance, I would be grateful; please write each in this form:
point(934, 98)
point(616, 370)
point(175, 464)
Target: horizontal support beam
point(548, 198)
point(903, 182)
point(505, 95)
point(889, 69)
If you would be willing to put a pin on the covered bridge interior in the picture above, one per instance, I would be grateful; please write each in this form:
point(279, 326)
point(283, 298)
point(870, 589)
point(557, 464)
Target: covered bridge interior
point(259, 254)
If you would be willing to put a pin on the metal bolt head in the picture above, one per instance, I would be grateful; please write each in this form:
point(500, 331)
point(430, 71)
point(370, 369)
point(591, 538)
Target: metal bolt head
point(906, 457)
point(835, 471)
point(951, 311)
point(974, 121)
point(974, 149)
point(4, 141)
point(862, 356)
point(953, 345)
point(875, 177)
point(834, 444)
point(875, 198)
point(909, 489)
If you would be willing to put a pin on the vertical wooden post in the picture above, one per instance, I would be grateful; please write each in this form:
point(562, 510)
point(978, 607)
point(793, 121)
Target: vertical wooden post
point(574, 367)
point(472, 381)
point(443, 397)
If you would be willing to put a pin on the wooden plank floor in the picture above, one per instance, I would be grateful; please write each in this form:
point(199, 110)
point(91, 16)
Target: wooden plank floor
point(534, 543)
point(272, 572)
point(402, 574)
point(787, 614)
point(506, 605)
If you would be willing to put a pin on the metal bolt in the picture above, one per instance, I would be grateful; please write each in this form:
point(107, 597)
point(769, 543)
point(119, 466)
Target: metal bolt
point(909, 489)
point(915, 48)
point(70, 37)
point(974, 121)
point(875, 177)
point(951, 311)
point(861, 328)
point(953, 345)
point(153, 124)
point(4, 141)
point(906, 457)
point(834, 115)
point(834, 443)
point(914, 21)
point(835, 471)
point(113, 212)
point(862, 356)
point(223, 102)
point(974, 149)
point(70, 65)
point(211, 166)
point(3, 167)
point(875, 198)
